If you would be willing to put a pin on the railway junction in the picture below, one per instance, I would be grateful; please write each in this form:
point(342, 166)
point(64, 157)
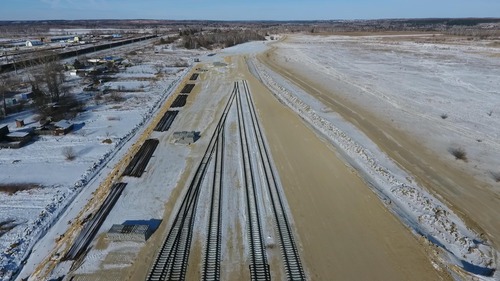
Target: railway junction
point(237, 146)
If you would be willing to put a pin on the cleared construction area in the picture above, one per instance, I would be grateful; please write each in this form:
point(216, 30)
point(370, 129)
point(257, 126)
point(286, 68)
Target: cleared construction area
point(336, 224)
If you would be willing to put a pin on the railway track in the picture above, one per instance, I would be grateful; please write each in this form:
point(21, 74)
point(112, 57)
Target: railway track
point(289, 251)
point(179, 101)
point(92, 226)
point(89, 48)
point(187, 88)
point(211, 265)
point(259, 267)
point(171, 262)
point(141, 159)
point(166, 121)
point(259, 179)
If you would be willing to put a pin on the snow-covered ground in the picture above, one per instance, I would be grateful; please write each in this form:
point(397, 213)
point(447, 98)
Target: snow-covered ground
point(170, 162)
point(61, 181)
point(451, 90)
point(380, 77)
point(375, 76)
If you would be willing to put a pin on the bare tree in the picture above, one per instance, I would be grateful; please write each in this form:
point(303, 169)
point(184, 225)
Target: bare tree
point(49, 78)
point(459, 153)
point(50, 95)
point(6, 84)
point(158, 68)
point(69, 153)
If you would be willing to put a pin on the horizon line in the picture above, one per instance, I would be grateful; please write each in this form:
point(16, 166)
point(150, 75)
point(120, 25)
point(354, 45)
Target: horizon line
point(253, 20)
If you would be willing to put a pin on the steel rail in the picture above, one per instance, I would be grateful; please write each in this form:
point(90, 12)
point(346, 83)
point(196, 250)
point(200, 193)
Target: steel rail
point(259, 267)
point(289, 251)
point(211, 266)
point(138, 164)
point(90, 229)
point(171, 261)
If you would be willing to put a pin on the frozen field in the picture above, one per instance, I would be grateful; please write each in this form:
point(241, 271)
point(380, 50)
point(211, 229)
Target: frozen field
point(452, 91)
point(444, 95)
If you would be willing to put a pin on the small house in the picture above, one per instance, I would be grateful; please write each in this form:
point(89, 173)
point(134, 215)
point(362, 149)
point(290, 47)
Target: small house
point(63, 39)
point(16, 139)
point(32, 43)
point(62, 127)
point(26, 96)
point(20, 136)
point(94, 61)
point(98, 69)
point(57, 129)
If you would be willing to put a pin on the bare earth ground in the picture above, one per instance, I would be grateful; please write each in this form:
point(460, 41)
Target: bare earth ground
point(474, 200)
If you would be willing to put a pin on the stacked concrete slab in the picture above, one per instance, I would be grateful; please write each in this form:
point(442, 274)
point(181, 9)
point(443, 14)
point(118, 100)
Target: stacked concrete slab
point(137, 232)
point(185, 137)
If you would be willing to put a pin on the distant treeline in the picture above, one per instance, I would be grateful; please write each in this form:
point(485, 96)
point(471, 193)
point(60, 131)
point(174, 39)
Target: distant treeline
point(193, 39)
point(193, 27)
point(452, 22)
point(48, 24)
point(474, 27)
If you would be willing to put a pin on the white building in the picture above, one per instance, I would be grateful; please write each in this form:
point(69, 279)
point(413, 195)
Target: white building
point(31, 43)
